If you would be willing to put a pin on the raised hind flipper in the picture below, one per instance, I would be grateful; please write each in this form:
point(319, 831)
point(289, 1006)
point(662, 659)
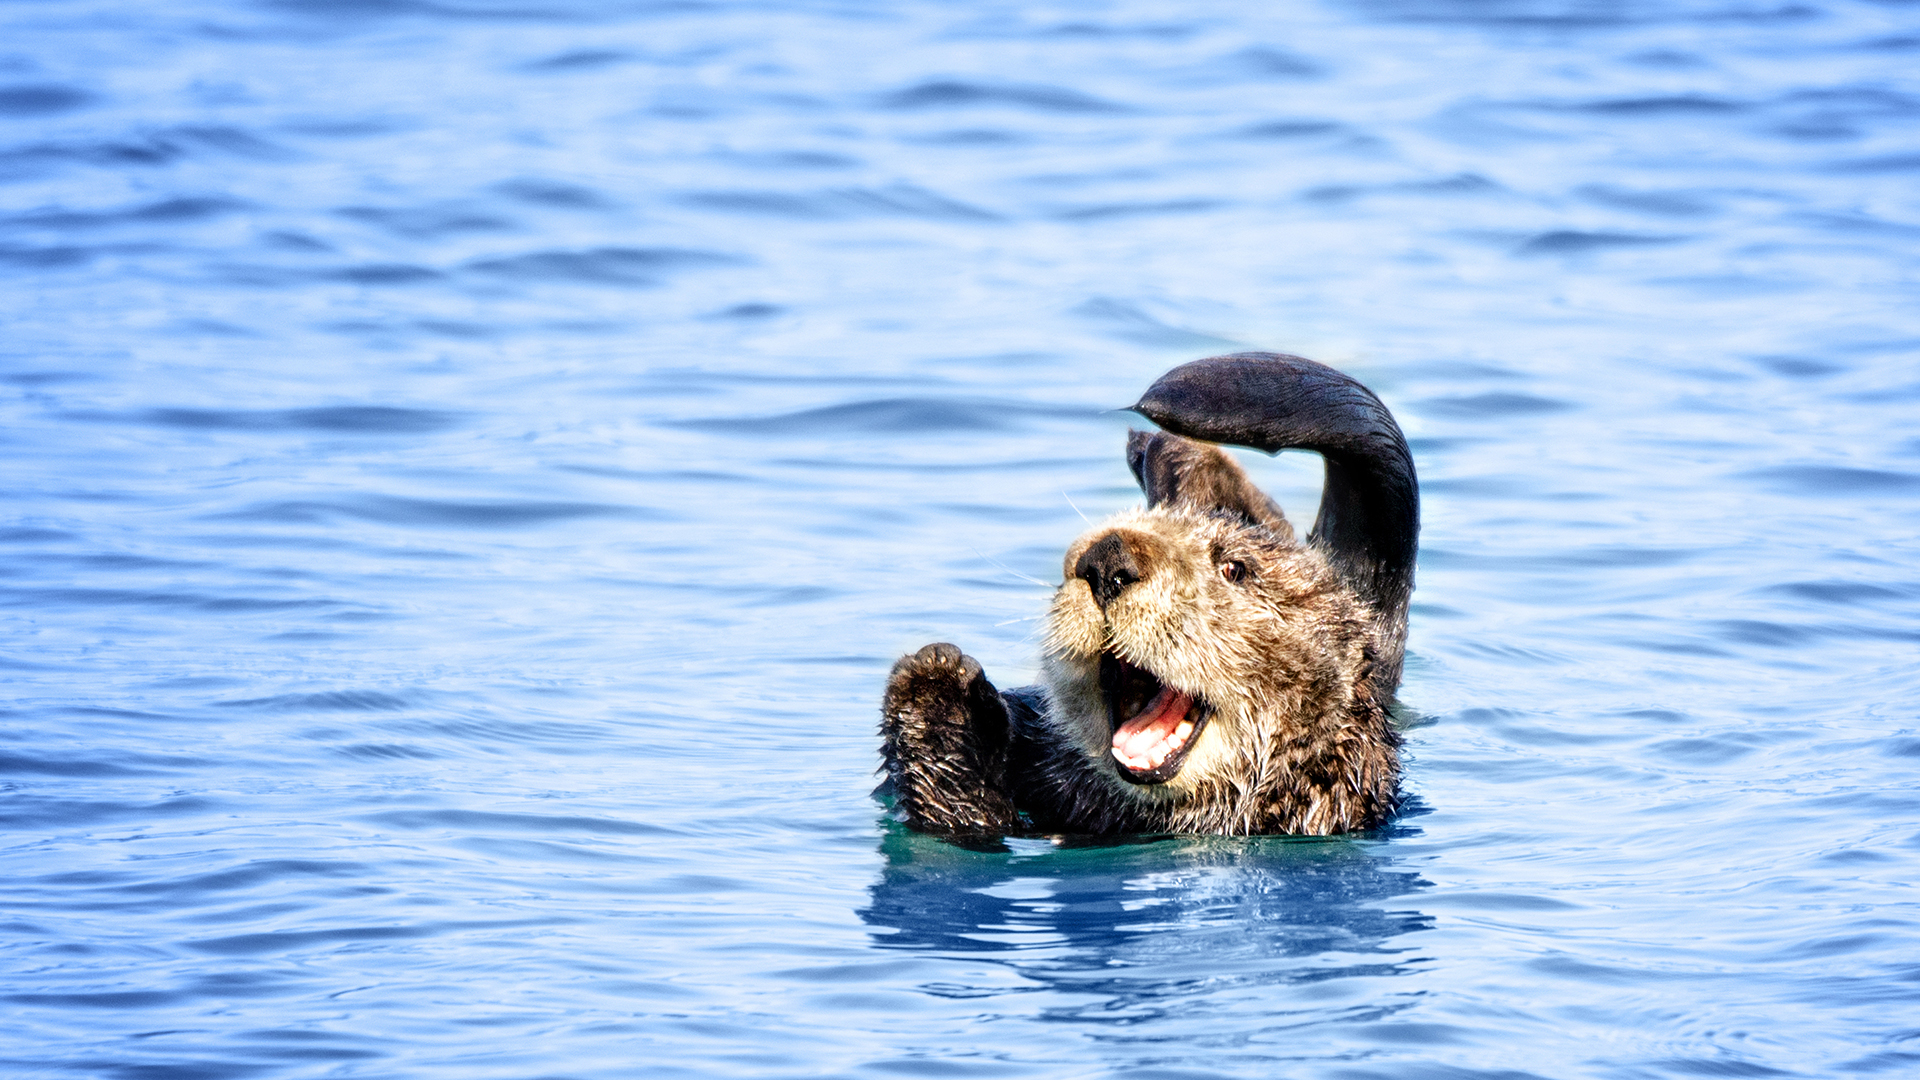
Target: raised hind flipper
point(1369, 520)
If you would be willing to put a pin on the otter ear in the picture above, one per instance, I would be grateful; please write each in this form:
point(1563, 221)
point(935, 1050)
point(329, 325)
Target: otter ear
point(1180, 472)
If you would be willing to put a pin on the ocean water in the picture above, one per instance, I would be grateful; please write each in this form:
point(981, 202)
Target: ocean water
point(470, 464)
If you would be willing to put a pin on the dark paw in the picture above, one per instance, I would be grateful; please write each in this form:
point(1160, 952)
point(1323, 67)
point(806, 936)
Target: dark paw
point(939, 665)
point(939, 684)
point(945, 744)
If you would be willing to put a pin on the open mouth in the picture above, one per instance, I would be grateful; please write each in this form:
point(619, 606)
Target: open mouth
point(1154, 726)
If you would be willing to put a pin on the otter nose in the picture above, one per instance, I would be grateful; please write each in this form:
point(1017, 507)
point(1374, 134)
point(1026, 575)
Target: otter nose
point(1108, 567)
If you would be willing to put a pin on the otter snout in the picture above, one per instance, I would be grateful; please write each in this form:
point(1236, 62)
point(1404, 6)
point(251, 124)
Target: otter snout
point(1115, 561)
point(1108, 567)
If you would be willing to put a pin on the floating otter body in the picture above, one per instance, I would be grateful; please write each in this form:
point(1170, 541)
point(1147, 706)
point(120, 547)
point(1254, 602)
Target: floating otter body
point(1205, 671)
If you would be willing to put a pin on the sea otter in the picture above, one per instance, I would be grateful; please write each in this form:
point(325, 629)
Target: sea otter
point(1205, 671)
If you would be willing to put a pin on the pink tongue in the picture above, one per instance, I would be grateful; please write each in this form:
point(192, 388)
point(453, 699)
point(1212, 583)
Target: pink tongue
point(1154, 725)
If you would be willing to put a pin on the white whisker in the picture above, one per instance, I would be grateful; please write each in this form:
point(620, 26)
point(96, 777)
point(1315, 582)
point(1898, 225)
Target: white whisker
point(1011, 570)
point(1076, 509)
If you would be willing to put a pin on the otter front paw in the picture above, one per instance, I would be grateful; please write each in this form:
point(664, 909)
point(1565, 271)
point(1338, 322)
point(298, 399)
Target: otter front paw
point(944, 738)
point(938, 672)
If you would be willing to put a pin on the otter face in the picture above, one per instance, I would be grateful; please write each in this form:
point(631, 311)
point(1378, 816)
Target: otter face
point(1180, 643)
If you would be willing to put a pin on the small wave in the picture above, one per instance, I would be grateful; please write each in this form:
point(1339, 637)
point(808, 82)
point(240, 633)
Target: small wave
point(399, 510)
point(156, 599)
point(186, 140)
point(792, 596)
point(1495, 404)
point(1577, 242)
point(292, 940)
point(791, 159)
point(495, 821)
point(1137, 209)
point(65, 256)
point(1664, 203)
point(753, 311)
point(1267, 62)
point(383, 274)
point(346, 419)
point(1289, 129)
point(1130, 322)
point(385, 752)
point(581, 60)
point(445, 328)
point(956, 93)
point(971, 137)
point(104, 999)
point(44, 99)
point(1855, 222)
point(1834, 480)
point(148, 765)
point(1461, 184)
point(420, 223)
point(1763, 632)
point(553, 193)
point(1885, 163)
point(1669, 105)
point(29, 812)
point(257, 872)
point(166, 211)
point(1798, 367)
point(1705, 749)
point(1489, 900)
point(334, 419)
point(1533, 15)
point(599, 266)
point(1843, 593)
point(324, 701)
point(894, 416)
point(896, 200)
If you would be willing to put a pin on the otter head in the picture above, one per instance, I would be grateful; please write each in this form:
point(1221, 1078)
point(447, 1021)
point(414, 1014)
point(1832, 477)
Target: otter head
point(1191, 642)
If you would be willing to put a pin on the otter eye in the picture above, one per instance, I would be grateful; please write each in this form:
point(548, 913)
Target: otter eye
point(1233, 570)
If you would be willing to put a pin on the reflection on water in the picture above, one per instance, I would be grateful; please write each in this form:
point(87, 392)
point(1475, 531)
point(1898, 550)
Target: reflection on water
point(1268, 909)
point(1170, 953)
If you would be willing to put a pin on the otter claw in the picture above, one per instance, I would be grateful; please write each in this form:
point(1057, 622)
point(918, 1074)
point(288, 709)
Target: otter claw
point(934, 660)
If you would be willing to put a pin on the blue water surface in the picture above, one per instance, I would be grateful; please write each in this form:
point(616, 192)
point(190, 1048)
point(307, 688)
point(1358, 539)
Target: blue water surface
point(469, 465)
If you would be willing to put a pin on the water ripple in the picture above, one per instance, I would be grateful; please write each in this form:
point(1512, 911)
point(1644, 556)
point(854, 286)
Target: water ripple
point(956, 93)
point(341, 419)
point(401, 510)
point(910, 415)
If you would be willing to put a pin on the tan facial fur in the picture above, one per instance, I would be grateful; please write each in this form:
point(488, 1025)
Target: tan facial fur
point(1272, 654)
